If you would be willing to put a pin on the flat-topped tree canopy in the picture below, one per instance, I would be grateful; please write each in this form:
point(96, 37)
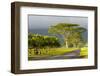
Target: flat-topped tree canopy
point(65, 29)
point(80, 29)
point(61, 28)
point(66, 25)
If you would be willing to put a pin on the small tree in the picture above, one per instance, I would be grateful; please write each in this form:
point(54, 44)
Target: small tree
point(51, 41)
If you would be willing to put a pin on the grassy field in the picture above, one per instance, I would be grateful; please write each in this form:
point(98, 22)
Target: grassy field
point(84, 51)
point(57, 51)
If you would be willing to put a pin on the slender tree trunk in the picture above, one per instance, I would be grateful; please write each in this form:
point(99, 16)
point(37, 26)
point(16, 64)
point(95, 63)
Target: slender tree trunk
point(65, 40)
point(66, 44)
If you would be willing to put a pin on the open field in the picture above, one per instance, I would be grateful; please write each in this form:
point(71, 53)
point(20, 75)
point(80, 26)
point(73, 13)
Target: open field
point(58, 52)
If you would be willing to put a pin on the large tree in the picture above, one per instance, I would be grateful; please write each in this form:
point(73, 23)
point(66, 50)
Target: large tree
point(67, 31)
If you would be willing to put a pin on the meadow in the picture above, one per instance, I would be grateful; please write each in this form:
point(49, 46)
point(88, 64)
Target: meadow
point(50, 52)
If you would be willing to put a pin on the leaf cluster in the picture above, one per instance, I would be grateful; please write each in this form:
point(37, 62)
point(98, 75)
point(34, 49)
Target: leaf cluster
point(40, 41)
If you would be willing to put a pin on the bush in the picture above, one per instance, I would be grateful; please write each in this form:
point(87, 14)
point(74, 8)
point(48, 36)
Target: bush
point(37, 41)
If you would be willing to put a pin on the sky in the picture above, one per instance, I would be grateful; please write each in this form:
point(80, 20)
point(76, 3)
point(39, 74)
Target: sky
point(39, 24)
point(43, 22)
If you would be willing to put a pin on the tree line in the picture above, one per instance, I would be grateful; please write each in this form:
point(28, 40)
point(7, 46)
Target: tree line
point(38, 41)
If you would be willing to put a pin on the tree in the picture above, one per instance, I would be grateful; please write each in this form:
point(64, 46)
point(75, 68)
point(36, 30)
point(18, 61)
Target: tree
point(30, 35)
point(76, 37)
point(37, 42)
point(51, 41)
point(66, 30)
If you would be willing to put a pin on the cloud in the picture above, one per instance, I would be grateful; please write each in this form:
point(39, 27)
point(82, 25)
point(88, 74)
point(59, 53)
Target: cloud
point(43, 22)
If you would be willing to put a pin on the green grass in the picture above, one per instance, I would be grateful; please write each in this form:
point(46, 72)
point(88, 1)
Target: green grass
point(84, 51)
point(56, 51)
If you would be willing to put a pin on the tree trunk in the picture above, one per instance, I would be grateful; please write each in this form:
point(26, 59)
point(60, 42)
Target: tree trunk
point(66, 44)
point(65, 41)
point(36, 51)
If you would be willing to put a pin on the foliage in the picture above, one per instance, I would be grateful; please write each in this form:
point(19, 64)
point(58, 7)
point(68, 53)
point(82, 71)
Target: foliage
point(72, 33)
point(37, 41)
